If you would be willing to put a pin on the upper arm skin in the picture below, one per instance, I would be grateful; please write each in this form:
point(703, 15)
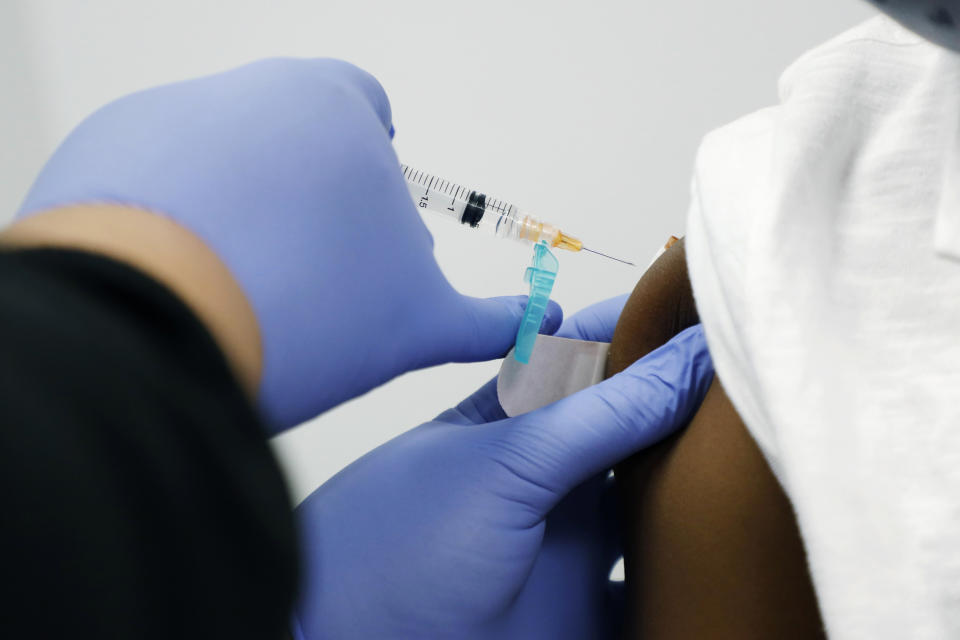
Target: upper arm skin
point(711, 545)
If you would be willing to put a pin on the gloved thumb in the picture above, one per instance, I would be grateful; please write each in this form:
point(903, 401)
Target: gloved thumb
point(486, 328)
point(556, 448)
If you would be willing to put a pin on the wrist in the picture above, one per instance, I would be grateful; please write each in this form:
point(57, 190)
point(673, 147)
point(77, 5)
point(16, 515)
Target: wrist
point(165, 251)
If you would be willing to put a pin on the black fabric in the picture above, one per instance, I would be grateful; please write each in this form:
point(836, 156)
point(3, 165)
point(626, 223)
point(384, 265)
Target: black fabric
point(140, 498)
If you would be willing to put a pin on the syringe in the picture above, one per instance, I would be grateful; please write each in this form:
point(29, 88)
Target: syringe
point(482, 212)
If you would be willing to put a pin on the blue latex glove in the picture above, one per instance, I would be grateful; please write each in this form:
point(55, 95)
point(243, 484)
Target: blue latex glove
point(476, 525)
point(285, 169)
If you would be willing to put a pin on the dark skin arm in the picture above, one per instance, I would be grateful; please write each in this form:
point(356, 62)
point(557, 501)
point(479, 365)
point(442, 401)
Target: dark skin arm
point(711, 545)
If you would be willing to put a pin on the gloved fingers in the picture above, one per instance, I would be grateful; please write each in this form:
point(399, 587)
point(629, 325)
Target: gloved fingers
point(556, 448)
point(325, 74)
point(480, 329)
point(353, 78)
point(481, 407)
point(595, 322)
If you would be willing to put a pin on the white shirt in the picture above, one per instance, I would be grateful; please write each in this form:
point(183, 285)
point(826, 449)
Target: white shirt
point(824, 251)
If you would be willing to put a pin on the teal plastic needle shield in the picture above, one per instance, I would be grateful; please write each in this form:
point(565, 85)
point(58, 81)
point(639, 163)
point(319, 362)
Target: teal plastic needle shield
point(541, 276)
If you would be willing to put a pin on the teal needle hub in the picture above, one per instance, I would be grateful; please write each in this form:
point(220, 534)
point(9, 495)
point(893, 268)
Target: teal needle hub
point(541, 275)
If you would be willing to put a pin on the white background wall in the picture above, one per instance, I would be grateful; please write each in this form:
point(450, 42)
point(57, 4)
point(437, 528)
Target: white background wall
point(587, 113)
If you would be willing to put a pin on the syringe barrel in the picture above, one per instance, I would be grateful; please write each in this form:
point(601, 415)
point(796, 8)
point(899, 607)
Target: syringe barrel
point(479, 211)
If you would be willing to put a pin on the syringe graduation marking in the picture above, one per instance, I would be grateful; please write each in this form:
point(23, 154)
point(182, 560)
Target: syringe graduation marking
point(476, 203)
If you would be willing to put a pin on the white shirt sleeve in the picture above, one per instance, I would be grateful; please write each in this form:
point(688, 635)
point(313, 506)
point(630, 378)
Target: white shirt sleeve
point(824, 252)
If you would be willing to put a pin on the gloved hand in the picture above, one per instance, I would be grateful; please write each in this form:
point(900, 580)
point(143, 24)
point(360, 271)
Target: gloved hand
point(476, 525)
point(285, 169)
